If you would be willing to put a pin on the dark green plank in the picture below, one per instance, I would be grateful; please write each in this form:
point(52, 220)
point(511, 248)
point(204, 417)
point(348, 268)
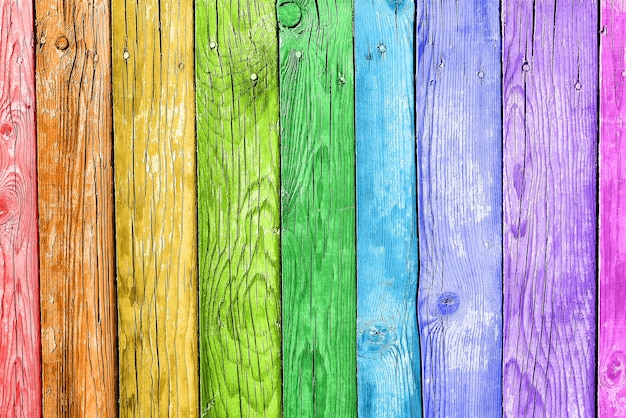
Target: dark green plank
point(238, 208)
point(318, 208)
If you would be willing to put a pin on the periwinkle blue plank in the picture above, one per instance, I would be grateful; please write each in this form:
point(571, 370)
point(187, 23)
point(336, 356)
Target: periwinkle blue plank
point(459, 146)
point(388, 371)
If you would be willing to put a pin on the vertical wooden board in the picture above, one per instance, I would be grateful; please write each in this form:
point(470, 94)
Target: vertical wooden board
point(238, 212)
point(612, 231)
point(20, 370)
point(388, 363)
point(318, 208)
point(550, 88)
point(155, 207)
point(459, 148)
point(74, 157)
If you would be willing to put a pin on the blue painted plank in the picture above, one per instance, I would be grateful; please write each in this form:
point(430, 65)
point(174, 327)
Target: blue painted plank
point(459, 145)
point(388, 347)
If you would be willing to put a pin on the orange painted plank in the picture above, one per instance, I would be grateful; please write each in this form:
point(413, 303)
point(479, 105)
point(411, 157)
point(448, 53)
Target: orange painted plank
point(20, 381)
point(74, 139)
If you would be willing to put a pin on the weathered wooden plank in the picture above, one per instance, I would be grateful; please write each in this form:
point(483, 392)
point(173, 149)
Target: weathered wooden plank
point(459, 145)
point(75, 178)
point(20, 349)
point(318, 208)
point(388, 363)
point(238, 212)
point(612, 230)
point(550, 88)
point(155, 207)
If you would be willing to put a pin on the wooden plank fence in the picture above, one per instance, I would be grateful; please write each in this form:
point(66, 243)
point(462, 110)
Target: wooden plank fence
point(20, 343)
point(611, 363)
point(387, 337)
point(238, 208)
point(550, 89)
point(330, 208)
point(155, 207)
point(75, 179)
point(459, 148)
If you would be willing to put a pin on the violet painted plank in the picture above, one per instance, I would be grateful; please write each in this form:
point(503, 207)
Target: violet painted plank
point(612, 332)
point(550, 61)
point(388, 367)
point(459, 144)
point(20, 346)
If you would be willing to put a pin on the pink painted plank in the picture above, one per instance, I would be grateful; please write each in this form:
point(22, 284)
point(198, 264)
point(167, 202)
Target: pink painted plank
point(612, 216)
point(20, 372)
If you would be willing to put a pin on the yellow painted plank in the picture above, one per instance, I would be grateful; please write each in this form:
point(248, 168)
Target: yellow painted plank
point(155, 203)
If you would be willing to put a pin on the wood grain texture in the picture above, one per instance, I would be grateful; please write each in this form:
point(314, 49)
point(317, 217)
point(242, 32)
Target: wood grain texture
point(20, 349)
point(612, 230)
point(155, 207)
point(459, 149)
point(238, 212)
point(388, 362)
point(550, 88)
point(74, 157)
point(318, 208)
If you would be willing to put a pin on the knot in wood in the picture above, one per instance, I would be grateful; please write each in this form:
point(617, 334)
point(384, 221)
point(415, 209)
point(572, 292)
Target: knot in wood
point(375, 338)
point(62, 43)
point(448, 303)
point(614, 370)
point(289, 14)
point(6, 131)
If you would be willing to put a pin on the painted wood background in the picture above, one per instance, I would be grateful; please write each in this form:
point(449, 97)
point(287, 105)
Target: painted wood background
point(387, 337)
point(238, 208)
point(155, 207)
point(550, 89)
point(612, 204)
point(317, 208)
point(20, 344)
point(459, 149)
point(75, 179)
point(305, 208)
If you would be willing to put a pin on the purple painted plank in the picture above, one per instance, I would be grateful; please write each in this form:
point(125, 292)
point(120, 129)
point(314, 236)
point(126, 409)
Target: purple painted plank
point(550, 87)
point(612, 335)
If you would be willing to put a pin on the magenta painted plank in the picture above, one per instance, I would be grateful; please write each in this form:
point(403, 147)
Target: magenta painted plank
point(550, 89)
point(20, 372)
point(612, 216)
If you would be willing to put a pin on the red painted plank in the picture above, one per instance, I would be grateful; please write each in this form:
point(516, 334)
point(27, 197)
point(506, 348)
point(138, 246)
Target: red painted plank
point(20, 375)
point(612, 216)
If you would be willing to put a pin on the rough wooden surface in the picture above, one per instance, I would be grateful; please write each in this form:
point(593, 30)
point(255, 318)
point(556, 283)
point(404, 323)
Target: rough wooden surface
point(238, 212)
point(387, 338)
point(318, 208)
point(20, 371)
point(74, 140)
point(155, 207)
point(550, 69)
point(459, 145)
point(612, 231)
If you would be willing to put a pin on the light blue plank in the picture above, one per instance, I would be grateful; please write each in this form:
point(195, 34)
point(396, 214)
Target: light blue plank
point(388, 347)
point(459, 137)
